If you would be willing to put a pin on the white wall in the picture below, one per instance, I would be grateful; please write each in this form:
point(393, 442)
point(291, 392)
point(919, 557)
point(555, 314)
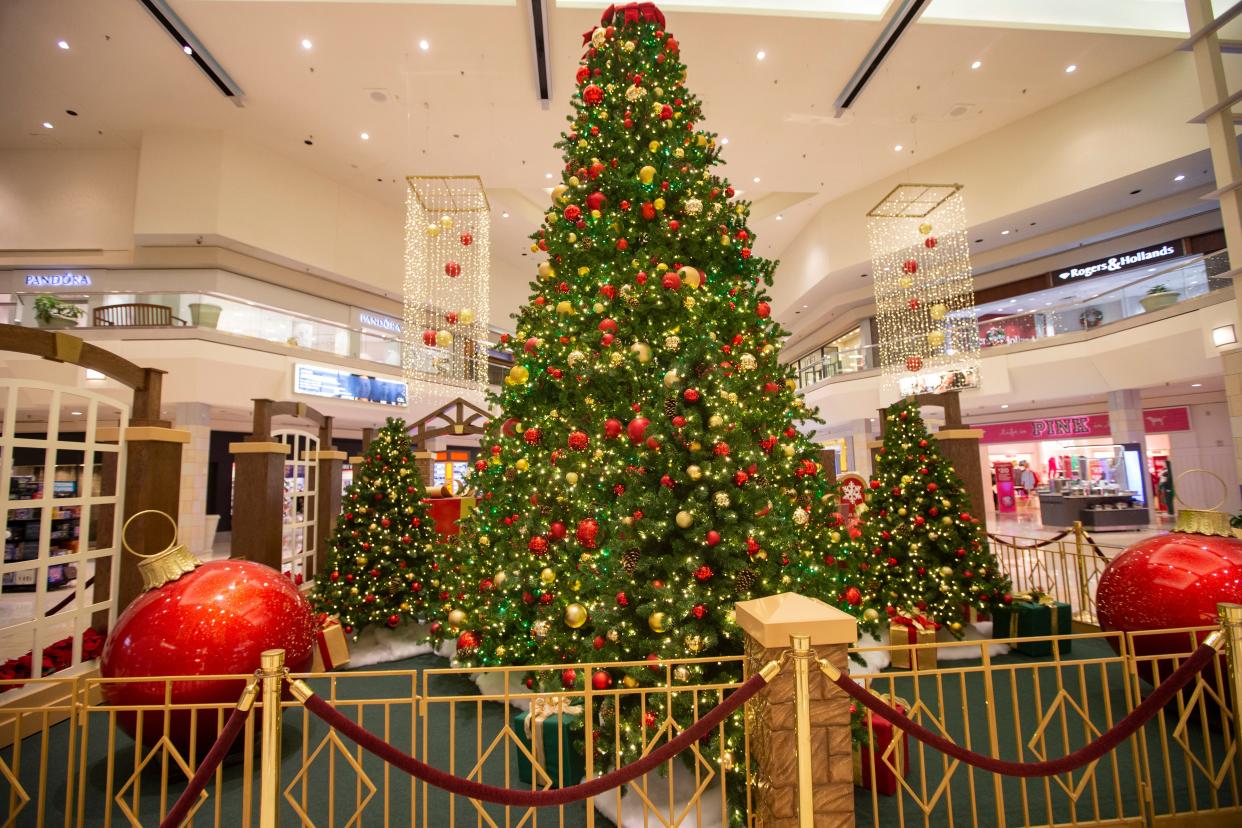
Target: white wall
point(67, 200)
point(1207, 446)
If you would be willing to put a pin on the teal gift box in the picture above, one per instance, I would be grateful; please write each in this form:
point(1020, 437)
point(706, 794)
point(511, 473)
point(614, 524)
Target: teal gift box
point(1034, 614)
point(551, 737)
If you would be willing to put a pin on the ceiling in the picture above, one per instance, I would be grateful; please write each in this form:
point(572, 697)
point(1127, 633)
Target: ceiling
point(468, 103)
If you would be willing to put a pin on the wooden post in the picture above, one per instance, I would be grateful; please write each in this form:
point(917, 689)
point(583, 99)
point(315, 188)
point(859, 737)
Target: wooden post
point(259, 501)
point(769, 624)
point(330, 465)
point(828, 459)
point(152, 481)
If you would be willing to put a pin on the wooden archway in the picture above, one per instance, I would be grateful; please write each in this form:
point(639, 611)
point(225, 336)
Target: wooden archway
point(457, 417)
point(152, 447)
point(258, 486)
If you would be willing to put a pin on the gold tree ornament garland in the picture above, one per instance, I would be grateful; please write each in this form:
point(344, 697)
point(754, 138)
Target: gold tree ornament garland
point(444, 339)
point(924, 293)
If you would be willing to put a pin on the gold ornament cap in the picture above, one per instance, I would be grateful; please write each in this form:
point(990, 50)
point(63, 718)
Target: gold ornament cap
point(162, 567)
point(1202, 521)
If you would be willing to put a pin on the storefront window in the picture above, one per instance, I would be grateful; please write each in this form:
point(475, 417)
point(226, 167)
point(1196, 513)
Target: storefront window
point(451, 467)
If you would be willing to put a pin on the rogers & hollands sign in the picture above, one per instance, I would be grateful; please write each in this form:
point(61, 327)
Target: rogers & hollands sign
point(1122, 261)
point(1155, 421)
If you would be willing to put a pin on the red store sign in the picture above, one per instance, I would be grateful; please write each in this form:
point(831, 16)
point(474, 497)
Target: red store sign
point(1155, 421)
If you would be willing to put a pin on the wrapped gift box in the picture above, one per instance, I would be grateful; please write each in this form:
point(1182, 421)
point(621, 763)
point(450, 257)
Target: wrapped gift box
point(331, 646)
point(882, 734)
point(547, 730)
point(912, 630)
point(1034, 614)
point(446, 511)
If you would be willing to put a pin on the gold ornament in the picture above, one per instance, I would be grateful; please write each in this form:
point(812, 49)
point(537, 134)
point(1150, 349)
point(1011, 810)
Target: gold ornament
point(456, 618)
point(444, 339)
point(938, 311)
point(646, 174)
point(499, 578)
point(694, 472)
point(680, 673)
point(685, 519)
point(642, 351)
point(925, 228)
point(433, 230)
point(501, 651)
point(690, 276)
point(671, 379)
point(672, 342)
point(693, 206)
point(571, 478)
point(564, 307)
point(539, 629)
point(788, 449)
point(517, 375)
point(575, 616)
point(558, 193)
point(612, 635)
point(575, 357)
point(547, 575)
point(658, 622)
point(935, 338)
point(747, 362)
point(715, 421)
point(446, 222)
point(946, 571)
point(630, 682)
point(871, 614)
point(694, 643)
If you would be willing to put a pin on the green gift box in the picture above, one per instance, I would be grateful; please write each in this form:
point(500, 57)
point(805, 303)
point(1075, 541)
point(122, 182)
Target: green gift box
point(1034, 614)
point(548, 733)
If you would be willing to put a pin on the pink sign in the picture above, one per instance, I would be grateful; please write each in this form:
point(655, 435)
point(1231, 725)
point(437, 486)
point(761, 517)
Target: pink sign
point(1005, 500)
point(1155, 421)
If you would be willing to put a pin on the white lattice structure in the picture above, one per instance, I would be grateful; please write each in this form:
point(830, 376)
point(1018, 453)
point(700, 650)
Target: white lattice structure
point(924, 291)
point(298, 546)
point(62, 500)
point(447, 276)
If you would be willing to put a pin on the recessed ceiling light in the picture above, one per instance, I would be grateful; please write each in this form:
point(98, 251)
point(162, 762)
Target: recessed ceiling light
point(48, 125)
point(724, 141)
point(504, 215)
point(306, 44)
point(1013, 301)
point(424, 45)
point(976, 64)
point(547, 175)
point(1071, 69)
point(760, 55)
point(1004, 232)
point(756, 179)
point(898, 148)
point(806, 306)
point(1047, 304)
point(780, 217)
point(366, 136)
point(187, 50)
point(1196, 385)
point(1179, 177)
point(64, 44)
point(1004, 405)
point(79, 413)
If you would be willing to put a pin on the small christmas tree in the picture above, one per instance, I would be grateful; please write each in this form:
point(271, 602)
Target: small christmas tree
point(380, 554)
point(933, 553)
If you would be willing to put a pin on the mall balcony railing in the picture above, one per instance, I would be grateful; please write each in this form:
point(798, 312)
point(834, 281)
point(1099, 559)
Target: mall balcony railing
point(1147, 294)
point(234, 317)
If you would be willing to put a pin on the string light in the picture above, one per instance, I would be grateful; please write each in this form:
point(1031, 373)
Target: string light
point(447, 273)
point(924, 293)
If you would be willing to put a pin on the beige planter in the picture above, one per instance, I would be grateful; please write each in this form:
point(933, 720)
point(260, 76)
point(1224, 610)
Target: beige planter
point(1156, 301)
point(58, 323)
point(204, 314)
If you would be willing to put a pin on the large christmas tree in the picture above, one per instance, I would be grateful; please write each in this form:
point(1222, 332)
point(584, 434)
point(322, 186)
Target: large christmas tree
point(380, 554)
point(936, 560)
point(648, 469)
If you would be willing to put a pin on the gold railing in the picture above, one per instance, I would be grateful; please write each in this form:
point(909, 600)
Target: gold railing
point(1180, 766)
point(74, 765)
point(1067, 567)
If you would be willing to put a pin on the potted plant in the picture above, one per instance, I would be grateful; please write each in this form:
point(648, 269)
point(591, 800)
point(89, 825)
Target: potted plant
point(50, 312)
point(1158, 297)
point(204, 314)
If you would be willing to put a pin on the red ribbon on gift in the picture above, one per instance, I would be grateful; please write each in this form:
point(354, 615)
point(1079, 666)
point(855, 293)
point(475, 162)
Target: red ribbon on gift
point(914, 625)
point(321, 641)
point(631, 13)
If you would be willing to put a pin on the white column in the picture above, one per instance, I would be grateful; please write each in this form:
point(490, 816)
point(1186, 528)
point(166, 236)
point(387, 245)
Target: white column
point(196, 419)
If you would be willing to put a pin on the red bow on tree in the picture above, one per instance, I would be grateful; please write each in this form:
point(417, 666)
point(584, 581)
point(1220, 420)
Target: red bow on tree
point(630, 13)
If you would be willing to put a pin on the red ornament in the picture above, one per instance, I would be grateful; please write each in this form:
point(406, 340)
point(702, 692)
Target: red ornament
point(532, 435)
point(913, 304)
point(572, 213)
point(467, 641)
point(910, 266)
point(601, 679)
point(914, 363)
point(578, 441)
point(690, 395)
point(593, 95)
point(568, 677)
point(671, 281)
point(452, 269)
point(612, 429)
point(1166, 582)
point(466, 239)
point(637, 429)
point(596, 201)
point(557, 530)
point(394, 620)
point(598, 643)
point(699, 611)
point(215, 620)
point(429, 338)
point(608, 325)
point(538, 545)
point(712, 538)
point(588, 529)
point(853, 597)
point(929, 242)
point(763, 309)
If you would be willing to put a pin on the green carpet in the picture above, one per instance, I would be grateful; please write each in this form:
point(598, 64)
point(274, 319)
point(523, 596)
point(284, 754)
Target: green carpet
point(1111, 793)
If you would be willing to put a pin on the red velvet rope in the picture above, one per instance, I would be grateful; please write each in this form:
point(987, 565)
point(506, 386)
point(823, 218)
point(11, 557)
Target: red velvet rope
point(1121, 731)
point(537, 799)
point(206, 768)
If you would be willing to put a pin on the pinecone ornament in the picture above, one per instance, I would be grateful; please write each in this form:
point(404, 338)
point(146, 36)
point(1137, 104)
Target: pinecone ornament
point(744, 580)
point(629, 560)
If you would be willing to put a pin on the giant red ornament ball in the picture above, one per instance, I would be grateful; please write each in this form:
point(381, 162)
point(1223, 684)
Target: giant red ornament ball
point(1170, 581)
point(213, 621)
